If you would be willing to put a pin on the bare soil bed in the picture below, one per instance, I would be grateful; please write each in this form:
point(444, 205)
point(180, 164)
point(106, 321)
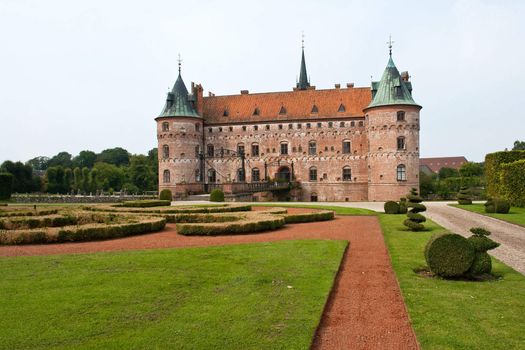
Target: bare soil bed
point(365, 309)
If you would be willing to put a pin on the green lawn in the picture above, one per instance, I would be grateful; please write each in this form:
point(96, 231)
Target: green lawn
point(231, 297)
point(516, 215)
point(338, 210)
point(455, 314)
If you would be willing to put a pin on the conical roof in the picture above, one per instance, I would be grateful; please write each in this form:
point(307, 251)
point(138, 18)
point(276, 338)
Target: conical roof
point(303, 83)
point(178, 103)
point(392, 89)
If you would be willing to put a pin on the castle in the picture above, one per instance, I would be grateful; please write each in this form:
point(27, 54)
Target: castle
point(341, 144)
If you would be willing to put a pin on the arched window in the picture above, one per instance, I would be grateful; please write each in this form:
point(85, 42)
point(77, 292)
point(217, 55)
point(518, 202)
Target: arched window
point(255, 150)
point(197, 175)
point(401, 172)
point(240, 148)
point(212, 176)
point(165, 126)
point(240, 175)
point(197, 127)
point(401, 146)
point(347, 173)
point(313, 174)
point(313, 197)
point(165, 151)
point(312, 148)
point(210, 150)
point(347, 147)
point(256, 175)
point(400, 116)
point(284, 148)
point(166, 176)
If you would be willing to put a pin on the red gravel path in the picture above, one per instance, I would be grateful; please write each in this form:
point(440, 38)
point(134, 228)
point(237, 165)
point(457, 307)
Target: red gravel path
point(365, 309)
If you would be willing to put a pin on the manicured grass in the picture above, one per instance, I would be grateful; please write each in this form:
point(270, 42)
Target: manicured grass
point(336, 209)
point(231, 297)
point(455, 314)
point(516, 215)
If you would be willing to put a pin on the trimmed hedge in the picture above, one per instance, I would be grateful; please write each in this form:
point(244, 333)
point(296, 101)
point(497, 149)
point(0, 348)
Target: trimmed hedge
point(322, 215)
point(173, 209)
point(202, 218)
point(449, 254)
point(25, 212)
point(504, 178)
point(391, 207)
point(165, 195)
point(464, 196)
point(482, 263)
point(500, 206)
point(30, 222)
point(146, 203)
point(6, 185)
point(217, 195)
point(262, 223)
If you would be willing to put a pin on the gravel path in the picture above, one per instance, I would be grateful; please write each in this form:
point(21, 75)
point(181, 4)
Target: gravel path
point(512, 237)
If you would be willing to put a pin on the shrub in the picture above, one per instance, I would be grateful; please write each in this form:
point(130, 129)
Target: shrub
point(503, 178)
point(262, 223)
point(146, 203)
point(217, 195)
point(391, 207)
point(500, 206)
point(449, 254)
point(321, 215)
point(415, 220)
point(482, 263)
point(464, 196)
point(403, 206)
point(165, 195)
point(6, 185)
point(513, 182)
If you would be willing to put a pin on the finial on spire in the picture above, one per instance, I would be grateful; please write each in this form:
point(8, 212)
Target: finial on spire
point(302, 39)
point(180, 62)
point(390, 42)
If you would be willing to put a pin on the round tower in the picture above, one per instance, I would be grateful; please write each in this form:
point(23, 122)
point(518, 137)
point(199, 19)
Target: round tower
point(393, 136)
point(180, 137)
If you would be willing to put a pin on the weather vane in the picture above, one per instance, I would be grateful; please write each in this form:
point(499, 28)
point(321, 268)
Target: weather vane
point(180, 62)
point(390, 42)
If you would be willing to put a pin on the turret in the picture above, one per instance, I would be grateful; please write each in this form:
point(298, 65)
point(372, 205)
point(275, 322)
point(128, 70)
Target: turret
point(179, 135)
point(393, 132)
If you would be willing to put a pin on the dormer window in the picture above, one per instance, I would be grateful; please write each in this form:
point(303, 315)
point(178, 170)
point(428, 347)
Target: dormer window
point(225, 113)
point(256, 111)
point(341, 108)
point(283, 110)
point(315, 109)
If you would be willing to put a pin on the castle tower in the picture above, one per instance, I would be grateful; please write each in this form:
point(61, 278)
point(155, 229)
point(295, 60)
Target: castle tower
point(393, 132)
point(180, 137)
point(303, 82)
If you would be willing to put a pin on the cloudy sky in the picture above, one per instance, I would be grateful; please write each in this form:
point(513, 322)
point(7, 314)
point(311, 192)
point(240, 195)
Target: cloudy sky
point(78, 75)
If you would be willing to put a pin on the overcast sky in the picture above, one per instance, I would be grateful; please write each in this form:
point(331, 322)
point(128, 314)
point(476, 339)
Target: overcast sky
point(78, 75)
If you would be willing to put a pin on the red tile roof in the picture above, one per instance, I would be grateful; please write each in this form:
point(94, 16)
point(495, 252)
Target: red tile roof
point(435, 164)
point(298, 105)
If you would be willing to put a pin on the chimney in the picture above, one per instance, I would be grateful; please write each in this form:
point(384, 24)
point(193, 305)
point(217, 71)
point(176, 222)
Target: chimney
point(349, 85)
point(337, 86)
point(244, 92)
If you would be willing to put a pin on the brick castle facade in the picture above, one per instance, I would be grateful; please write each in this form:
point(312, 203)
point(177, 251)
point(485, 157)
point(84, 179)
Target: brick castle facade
point(342, 144)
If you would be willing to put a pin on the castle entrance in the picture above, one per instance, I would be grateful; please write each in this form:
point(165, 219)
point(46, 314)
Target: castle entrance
point(283, 174)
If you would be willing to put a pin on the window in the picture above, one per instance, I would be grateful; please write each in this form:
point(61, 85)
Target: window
point(400, 116)
point(361, 123)
point(231, 128)
point(352, 123)
point(313, 197)
point(299, 126)
point(256, 111)
point(197, 151)
point(197, 175)
point(165, 151)
point(255, 150)
point(255, 127)
point(312, 148)
point(319, 125)
point(290, 126)
point(308, 125)
point(330, 124)
point(212, 176)
point(256, 176)
point(282, 110)
point(244, 128)
point(166, 176)
point(240, 149)
point(401, 173)
point(313, 174)
point(280, 126)
point(401, 143)
point(342, 124)
point(220, 129)
point(347, 147)
point(211, 151)
point(347, 174)
point(225, 113)
point(165, 126)
point(240, 175)
point(267, 127)
point(210, 130)
point(315, 109)
point(197, 127)
point(284, 148)
point(341, 108)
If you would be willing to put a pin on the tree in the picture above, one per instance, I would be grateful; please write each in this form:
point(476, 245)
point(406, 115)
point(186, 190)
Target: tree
point(77, 179)
point(518, 145)
point(6, 185)
point(86, 176)
point(68, 180)
point(427, 183)
point(85, 159)
point(108, 177)
point(62, 159)
point(141, 174)
point(116, 156)
point(153, 157)
point(55, 179)
point(22, 176)
point(448, 172)
point(38, 163)
point(470, 169)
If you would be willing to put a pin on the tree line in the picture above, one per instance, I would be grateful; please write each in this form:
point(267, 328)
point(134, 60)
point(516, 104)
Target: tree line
point(113, 169)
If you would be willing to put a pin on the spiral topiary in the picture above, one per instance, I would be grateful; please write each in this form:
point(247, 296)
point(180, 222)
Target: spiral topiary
point(391, 207)
point(403, 208)
point(414, 221)
point(464, 196)
point(482, 263)
point(449, 254)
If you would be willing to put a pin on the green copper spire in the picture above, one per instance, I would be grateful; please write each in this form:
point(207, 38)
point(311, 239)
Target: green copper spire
point(177, 102)
point(392, 89)
point(303, 83)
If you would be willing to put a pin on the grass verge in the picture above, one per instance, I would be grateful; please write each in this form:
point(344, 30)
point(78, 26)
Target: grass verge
point(230, 297)
point(515, 216)
point(336, 209)
point(455, 314)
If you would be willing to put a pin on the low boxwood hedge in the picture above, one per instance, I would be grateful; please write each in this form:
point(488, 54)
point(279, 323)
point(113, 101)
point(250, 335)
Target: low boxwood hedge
point(27, 212)
point(30, 222)
point(146, 203)
point(251, 225)
point(172, 209)
point(321, 215)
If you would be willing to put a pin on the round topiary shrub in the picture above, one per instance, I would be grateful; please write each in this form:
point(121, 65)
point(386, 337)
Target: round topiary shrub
point(165, 195)
point(500, 206)
point(464, 196)
point(217, 195)
point(449, 254)
point(414, 221)
point(391, 207)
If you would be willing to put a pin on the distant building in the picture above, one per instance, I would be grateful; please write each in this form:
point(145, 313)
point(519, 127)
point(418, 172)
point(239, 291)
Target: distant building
point(434, 165)
point(342, 144)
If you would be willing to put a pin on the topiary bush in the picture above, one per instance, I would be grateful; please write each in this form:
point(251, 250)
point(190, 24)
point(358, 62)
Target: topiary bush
point(165, 195)
point(403, 206)
point(217, 195)
point(391, 207)
point(464, 196)
point(449, 254)
point(482, 263)
point(500, 206)
point(414, 221)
